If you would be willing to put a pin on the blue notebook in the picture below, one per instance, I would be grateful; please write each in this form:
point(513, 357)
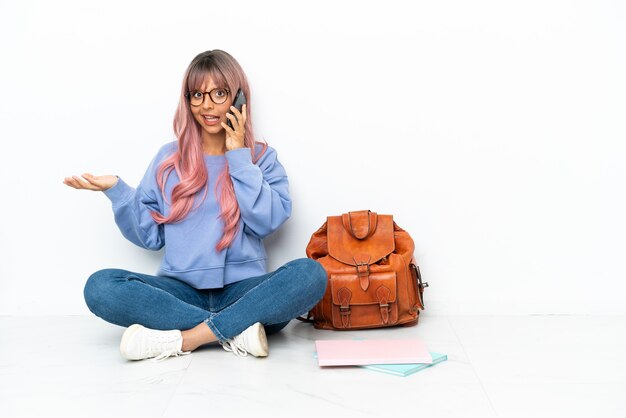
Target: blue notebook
point(406, 369)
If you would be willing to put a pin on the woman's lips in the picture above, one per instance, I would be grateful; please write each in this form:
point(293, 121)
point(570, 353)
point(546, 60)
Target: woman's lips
point(210, 120)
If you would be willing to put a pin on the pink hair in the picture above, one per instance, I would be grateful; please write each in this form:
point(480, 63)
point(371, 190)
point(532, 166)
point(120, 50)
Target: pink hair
point(188, 159)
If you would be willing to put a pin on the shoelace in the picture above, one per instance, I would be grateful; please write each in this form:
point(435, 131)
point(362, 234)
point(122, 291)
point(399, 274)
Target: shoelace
point(169, 353)
point(162, 343)
point(234, 346)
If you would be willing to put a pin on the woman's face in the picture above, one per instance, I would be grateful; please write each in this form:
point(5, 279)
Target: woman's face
point(209, 114)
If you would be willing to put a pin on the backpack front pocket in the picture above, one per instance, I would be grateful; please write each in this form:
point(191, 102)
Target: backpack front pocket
point(354, 307)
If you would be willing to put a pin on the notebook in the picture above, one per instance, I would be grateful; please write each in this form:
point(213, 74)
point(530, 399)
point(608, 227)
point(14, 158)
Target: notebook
point(362, 352)
point(406, 369)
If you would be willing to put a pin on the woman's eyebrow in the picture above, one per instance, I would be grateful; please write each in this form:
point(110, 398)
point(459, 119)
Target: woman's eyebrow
point(218, 87)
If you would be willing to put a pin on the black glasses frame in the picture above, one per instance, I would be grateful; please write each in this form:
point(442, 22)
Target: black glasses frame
point(188, 96)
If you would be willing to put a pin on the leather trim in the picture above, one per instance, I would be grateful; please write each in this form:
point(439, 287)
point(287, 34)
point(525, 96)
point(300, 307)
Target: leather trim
point(344, 294)
point(339, 282)
point(383, 300)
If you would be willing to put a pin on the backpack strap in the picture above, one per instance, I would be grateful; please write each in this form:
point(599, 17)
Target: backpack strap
point(383, 293)
point(361, 224)
point(307, 319)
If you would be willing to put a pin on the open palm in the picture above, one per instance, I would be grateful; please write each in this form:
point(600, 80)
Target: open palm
point(91, 182)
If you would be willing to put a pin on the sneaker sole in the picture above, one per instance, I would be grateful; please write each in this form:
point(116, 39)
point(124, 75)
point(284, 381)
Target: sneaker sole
point(262, 349)
point(128, 334)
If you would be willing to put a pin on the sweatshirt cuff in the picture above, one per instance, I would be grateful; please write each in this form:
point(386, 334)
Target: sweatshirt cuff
point(119, 193)
point(238, 158)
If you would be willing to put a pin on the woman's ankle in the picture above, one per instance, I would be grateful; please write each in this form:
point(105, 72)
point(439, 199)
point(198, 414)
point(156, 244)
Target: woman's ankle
point(197, 336)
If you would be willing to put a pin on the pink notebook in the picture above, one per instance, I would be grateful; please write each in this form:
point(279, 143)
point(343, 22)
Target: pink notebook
point(360, 352)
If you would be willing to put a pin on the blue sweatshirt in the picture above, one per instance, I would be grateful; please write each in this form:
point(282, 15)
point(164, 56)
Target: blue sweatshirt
point(262, 192)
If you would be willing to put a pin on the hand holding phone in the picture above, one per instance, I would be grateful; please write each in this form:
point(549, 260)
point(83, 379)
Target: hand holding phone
point(235, 138)
point(240, 100)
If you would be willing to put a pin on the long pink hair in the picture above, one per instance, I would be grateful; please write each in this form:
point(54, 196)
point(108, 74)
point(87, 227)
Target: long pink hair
point(188, 159)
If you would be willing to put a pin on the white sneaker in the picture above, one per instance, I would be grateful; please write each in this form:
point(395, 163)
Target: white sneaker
point(252, 340)
point(139, 342)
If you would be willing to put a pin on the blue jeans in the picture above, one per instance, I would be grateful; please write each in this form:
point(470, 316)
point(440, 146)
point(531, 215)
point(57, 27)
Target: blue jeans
point(125, 298)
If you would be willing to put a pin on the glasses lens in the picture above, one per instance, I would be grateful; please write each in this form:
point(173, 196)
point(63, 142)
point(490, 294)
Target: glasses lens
point(219, 95)
point(195, 97)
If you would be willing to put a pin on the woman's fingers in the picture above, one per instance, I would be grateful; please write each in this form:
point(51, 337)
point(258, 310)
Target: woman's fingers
point(93, 180)
point(241, 116)
point(228, 129)
point(84, 184)
point(233, 120)
point(235, 136)
point(238, 120)
point(79, 184)
point(69, 182)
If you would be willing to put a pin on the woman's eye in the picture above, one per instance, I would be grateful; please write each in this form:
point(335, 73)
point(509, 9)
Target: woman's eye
point(220, 93)
point(196, 94)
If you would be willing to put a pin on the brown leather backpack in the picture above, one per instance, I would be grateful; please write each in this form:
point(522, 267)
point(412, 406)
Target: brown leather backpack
point(373, 279)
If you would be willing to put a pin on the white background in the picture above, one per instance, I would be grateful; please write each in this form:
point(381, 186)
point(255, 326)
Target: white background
point(493, 131)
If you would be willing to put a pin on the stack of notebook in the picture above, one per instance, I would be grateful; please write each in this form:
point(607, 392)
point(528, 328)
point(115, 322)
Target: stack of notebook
point(399, 357)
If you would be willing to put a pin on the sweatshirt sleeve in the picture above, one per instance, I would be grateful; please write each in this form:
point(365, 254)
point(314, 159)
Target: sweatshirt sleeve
point(131, 208)
point(262, 190)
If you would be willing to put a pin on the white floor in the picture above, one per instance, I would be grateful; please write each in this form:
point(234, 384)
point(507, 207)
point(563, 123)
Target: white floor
point(499, 366)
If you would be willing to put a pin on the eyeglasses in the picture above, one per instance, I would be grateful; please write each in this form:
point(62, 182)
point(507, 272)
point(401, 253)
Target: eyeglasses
point(217, 95)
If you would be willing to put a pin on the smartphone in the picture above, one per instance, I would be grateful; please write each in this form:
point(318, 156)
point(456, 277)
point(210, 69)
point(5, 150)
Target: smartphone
point(240, 100)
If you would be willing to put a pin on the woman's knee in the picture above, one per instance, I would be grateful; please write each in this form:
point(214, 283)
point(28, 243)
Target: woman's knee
point(313, 276)
point(98, 287)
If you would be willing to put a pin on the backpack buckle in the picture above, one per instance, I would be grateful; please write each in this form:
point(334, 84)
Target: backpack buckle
point(363, 270)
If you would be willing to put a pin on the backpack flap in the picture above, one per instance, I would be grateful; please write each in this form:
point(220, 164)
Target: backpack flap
point(360, 238)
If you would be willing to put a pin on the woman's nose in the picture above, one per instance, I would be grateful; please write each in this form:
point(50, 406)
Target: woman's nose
point(207, 103)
